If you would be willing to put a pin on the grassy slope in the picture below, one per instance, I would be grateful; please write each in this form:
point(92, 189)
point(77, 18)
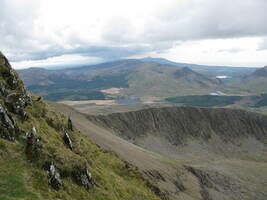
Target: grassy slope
point(23, 180)
point(160, 81)
point(23, 177)
point(204, 100)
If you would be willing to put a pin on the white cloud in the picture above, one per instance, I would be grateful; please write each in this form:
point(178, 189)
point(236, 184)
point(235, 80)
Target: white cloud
point(39, 30)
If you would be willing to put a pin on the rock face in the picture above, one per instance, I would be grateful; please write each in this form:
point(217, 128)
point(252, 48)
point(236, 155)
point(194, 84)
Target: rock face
point(212, 180)
point(34, 145)
point(67, 140)
point(83, 177)
point(180, 123)
point(10, 78)
point(70, 126)
point(162, 130)
point(12, 91)
point(54, 177)
point(17, 102)
point(13, 103)
point(7, 125)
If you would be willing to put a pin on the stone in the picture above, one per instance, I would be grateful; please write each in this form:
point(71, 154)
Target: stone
point(31, 134)
point(17, 102)
point(2, 89)
point(7, 125)
point(39, 144)
point(54, 177)
point(67, 140)
point(39, 99)
point(30, 143)
point(83, 177)
point(70, 127)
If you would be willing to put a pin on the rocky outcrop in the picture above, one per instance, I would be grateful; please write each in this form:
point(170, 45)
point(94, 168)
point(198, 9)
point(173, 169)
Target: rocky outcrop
point(2, 89)
point(10, 77)
point(13, 103)
point(83, 177)
point(213, 181)
point(14, 95)
point(68, 140)
point(70, 126)
point(7, 125)
point(54, 178)
point(17, 102)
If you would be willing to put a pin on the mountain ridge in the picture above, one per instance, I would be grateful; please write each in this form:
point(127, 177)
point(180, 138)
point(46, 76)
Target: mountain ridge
point(44, 156)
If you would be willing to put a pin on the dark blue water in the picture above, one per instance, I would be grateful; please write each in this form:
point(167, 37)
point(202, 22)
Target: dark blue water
point(127, 100)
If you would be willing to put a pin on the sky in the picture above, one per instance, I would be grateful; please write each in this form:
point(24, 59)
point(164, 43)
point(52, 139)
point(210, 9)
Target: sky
point(41, 33)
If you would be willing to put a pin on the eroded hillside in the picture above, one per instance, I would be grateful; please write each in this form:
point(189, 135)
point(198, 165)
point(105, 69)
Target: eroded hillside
point(224, 149)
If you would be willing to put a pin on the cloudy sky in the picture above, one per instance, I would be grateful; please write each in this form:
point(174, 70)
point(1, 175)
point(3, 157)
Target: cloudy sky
point(67, 32)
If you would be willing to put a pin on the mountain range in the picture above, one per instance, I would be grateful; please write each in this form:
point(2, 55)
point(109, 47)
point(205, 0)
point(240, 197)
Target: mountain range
point(137, 78)
point(51, 151)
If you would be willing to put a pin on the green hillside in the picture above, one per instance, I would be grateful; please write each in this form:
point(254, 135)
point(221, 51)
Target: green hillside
point(204, 100)
point(138, 79)
point(44, 163)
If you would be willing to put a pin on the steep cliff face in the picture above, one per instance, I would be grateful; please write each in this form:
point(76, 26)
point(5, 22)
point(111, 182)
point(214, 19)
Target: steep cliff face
point(222, 151)
point(43, 156)
point(181, 125)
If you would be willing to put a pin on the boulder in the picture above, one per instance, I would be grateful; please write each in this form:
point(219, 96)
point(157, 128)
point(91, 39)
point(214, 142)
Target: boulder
point(54, 177)
point(30, 143)
point(7, 125)
point(39, 144)
point(67, 140)
point(70, 127)
point(2, 89)
point(17, 102)
point(83, 177)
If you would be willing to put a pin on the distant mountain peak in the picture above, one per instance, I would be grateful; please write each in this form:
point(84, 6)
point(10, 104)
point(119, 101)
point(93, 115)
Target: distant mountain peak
point(262, 72)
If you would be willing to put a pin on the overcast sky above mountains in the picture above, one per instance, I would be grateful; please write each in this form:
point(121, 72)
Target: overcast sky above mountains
point(60, 32)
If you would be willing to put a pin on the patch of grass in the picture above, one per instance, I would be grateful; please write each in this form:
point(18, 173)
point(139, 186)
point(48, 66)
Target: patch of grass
point(204, 100)
point(13, 174)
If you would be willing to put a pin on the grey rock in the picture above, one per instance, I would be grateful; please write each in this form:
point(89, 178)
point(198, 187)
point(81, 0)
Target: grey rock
point(39, 144)
point(67, 140)
point(2, 89)
point(17, 102)
point(7, 125)
point(30, 144)
point(31, 134)
point(83, 177)
point(54, 177)
point(70, 126)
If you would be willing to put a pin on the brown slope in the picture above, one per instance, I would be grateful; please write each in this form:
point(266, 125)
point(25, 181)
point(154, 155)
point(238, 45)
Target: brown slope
point(198, 175)
point(176, 130)
point(152, 165)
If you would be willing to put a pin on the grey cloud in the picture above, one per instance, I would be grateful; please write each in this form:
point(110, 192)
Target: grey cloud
point(191, 20)
point(206, 19)
point(104, 52)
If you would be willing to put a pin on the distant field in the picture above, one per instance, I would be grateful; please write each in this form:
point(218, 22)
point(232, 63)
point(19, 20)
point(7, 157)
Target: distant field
point(204, 100)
